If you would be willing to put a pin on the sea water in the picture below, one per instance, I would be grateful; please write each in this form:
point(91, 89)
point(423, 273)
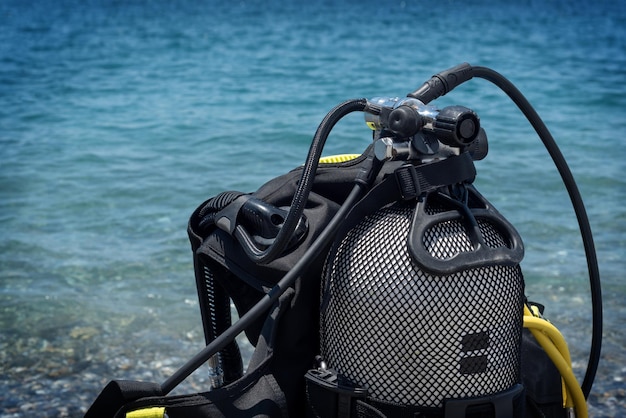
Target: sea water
point(117, 119)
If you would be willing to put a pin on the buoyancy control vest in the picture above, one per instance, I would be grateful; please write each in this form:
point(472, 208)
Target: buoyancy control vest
point(379, 285)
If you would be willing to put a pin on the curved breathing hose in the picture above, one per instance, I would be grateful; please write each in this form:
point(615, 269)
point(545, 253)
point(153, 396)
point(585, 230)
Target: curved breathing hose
point(579, 208)
point(304, 186)
point(447, 80)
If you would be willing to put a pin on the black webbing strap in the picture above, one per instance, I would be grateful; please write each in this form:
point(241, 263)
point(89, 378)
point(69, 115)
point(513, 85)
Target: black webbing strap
point(409, 182)
point(505, 404)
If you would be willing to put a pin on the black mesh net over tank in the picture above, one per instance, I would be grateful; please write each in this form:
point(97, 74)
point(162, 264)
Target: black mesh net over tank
point(414, 338)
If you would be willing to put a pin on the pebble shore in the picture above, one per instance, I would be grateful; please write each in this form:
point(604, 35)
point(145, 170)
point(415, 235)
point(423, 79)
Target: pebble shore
point(61, 376)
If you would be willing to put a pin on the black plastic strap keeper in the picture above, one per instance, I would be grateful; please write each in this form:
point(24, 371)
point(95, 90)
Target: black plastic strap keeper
point(330, 395)
point(415, 180)
point(408, 183)
point(503, 403)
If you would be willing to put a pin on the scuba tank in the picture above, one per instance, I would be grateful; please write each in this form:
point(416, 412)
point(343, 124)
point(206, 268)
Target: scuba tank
point(422, 297)
point(378, 285)
point(419, 337)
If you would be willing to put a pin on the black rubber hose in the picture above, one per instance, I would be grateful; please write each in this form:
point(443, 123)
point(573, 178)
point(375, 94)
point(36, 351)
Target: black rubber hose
point(306, 183)
point(579, 209)
point(213, 206)
point(270, 298)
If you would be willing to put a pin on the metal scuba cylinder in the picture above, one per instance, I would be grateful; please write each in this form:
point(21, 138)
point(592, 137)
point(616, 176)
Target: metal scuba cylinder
point(422, 302)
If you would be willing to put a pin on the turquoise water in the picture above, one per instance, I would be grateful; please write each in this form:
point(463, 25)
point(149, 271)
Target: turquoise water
point(117, 119)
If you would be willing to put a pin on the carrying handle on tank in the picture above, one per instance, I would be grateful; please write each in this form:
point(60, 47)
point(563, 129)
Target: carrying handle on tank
point(480, 254)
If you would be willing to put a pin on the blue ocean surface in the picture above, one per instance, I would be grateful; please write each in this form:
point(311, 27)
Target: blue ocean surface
point(117, 119)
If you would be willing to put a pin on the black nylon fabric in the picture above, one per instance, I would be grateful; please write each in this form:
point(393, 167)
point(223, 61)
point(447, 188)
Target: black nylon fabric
point(246, 282)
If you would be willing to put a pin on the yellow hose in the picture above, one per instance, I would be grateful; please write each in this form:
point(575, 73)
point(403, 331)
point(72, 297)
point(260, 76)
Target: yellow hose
point(552, 332)
point(553, 343)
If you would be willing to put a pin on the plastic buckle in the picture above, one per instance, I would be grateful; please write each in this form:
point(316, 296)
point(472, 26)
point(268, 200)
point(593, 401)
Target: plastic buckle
point(330, 394)
point(503, 403)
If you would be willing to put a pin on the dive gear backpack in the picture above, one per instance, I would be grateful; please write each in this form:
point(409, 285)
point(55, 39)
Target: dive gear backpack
point(379, 285)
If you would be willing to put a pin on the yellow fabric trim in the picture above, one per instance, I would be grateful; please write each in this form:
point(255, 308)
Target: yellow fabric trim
point(342, 158)
point(153, 412)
